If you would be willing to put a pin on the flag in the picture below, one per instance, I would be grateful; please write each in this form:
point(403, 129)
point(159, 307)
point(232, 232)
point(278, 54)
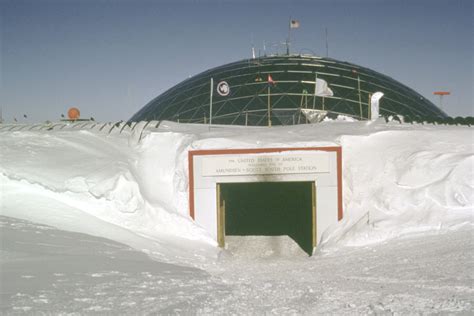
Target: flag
point(223, 88)
point(294, 24)
point(321, 88)
point(374, 105)
point(270, 81)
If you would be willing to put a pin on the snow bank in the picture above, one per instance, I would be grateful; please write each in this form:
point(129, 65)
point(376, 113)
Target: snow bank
point(96, 184)
point(133, 186)
point(402, 182)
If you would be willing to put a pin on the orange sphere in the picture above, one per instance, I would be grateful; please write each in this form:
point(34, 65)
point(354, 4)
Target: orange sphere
point(73, 113)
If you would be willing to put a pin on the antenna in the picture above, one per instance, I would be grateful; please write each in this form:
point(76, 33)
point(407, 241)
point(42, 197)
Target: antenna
point(327, 45)
point(264, 49)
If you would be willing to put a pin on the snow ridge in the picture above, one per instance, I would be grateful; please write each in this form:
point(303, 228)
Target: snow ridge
point(398, 179)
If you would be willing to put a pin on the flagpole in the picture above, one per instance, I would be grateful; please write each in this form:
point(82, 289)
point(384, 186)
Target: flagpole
point(288, 39)
point(315, 88)
point(210, 102)
point(269, 109)
point(360, 99)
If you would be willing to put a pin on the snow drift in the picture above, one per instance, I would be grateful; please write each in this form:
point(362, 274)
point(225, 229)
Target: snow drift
point(132, 186)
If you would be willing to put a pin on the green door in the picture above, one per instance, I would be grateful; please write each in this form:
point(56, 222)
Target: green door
point(268, 209)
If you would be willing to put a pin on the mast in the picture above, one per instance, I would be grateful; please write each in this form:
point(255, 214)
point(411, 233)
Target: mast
point(288, 38)
point(327, 45)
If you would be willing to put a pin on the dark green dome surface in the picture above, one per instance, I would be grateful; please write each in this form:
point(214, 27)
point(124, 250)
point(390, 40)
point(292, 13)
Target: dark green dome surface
point(294, 77)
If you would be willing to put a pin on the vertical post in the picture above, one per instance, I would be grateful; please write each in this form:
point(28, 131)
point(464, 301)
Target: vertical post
point(360, 99)
point(313, 209)
point(327, 45)
point(210, 102)
point(246, 118)
point(269, 109)
point(223, 221)
point(441, 94)
point(369, 107)
point(315, 89)
point(306, 106)
point(288, 39)
point(220, 217)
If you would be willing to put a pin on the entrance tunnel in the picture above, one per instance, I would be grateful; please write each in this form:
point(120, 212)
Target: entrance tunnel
point(270, 209)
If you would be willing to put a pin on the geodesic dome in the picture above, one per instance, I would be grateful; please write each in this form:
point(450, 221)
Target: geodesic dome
point(291, 96)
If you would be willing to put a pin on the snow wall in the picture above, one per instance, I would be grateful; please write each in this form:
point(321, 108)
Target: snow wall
point(132, 186)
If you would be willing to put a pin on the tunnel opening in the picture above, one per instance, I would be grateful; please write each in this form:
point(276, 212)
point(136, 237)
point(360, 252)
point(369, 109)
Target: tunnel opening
point(268, 209)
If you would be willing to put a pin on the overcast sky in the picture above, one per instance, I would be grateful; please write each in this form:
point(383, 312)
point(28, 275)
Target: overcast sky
point(110, 57)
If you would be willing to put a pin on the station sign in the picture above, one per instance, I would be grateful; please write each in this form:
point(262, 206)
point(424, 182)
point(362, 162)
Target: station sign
point(265, 164)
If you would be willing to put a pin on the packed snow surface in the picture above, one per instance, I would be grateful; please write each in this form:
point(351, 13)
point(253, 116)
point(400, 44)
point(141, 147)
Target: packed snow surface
point(97, 221)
